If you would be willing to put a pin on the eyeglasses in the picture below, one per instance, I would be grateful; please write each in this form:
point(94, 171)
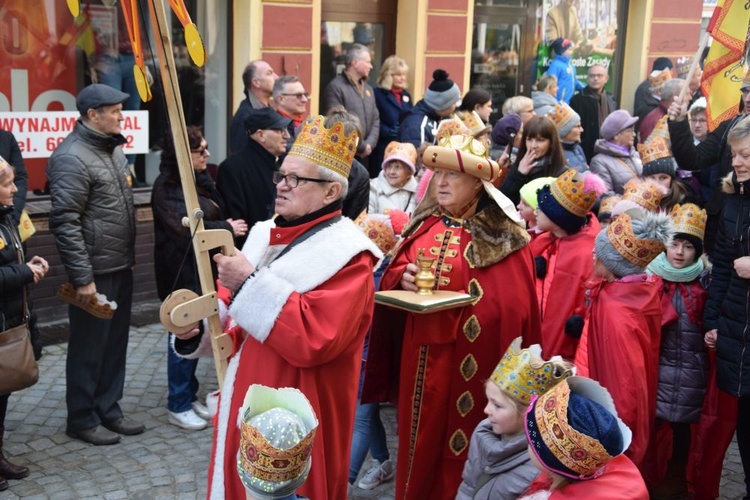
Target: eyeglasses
point(201, 151)
point(292, 180)
point(300, 95)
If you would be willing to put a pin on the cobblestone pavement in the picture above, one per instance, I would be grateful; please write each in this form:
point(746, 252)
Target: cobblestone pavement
point(163, 462)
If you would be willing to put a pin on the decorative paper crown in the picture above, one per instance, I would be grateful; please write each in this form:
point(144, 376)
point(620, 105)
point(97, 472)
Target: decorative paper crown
point(658, 78)
point(574, 429)
point(474, 123)
point(654, 149)
point(327, 147)
point(569, 193)
point(689, 219)
point(561, 115)
point(449, 127)
point(661, 130)
point(633, 249)
point(404, 151)
point(462, 153)
point(262, 466)
point(522, 373)
point(683, 66)
point(608, 203)
point(647, 194)
point(378, 228)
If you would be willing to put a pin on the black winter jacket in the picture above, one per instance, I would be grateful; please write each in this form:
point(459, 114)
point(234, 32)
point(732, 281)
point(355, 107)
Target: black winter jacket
point(171, 238)
point(728, 305)
point(92, 215)
point(419, 125)
point(14, 275)
point(586, 104)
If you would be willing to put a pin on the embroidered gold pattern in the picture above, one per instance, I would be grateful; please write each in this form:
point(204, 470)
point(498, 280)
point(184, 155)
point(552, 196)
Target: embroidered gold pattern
point(417, 402)
point(465, 403)
point(472, 328)
point(444, 282)
point(475, 290)
point(469, 367)
point(458, 442)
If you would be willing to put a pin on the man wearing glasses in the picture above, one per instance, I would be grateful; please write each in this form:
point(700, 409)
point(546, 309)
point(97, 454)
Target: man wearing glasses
point(291, 102)
point(301, 301)
point(245, 178)
point(713, 150)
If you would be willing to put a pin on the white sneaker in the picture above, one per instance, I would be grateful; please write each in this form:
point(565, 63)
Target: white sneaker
point(187, 420)
point(201, 410)
point(377, 475)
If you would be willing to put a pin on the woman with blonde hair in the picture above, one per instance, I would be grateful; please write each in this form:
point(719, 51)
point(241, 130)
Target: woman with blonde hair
point(392, 100)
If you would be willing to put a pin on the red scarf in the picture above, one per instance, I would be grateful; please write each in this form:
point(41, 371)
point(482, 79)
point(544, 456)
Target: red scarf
point(398, 94)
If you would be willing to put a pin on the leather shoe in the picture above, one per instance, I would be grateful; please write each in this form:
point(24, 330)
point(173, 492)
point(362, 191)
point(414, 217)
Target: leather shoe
point(96, 435)
point(125, 426)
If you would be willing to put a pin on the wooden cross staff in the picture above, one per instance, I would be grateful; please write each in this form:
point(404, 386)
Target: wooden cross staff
point(184, 309)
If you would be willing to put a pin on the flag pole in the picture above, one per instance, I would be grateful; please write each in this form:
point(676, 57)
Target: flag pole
point(694, 66)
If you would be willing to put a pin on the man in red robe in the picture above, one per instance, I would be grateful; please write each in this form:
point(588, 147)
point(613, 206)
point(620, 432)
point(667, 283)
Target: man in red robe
point(433, 366)
point(302, 298)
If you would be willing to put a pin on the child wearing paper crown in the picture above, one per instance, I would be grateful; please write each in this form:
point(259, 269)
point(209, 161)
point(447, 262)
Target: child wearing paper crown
point(563, 257)
point(577, 441)
point(498, 464)
point(528, 204)
point(683, 357)
point(660, 167)
point(620, 347)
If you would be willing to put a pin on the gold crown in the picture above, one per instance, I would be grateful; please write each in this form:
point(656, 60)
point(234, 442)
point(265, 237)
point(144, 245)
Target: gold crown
point(449, 127)
point(377, 230)
point(261, 460)
point(654, 149)
point(657, 79)
point(522, 373)
point(608, 203)
point(636, 250)
point(689, 219)
point(462, 153)
point(474, 123)
point(569, 193)
point(647, 194)
point(661, 130)
point(561, 114)
point(327, 147)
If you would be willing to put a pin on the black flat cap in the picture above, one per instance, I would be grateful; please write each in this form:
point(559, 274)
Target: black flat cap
point(264, 119)
point(97, 95)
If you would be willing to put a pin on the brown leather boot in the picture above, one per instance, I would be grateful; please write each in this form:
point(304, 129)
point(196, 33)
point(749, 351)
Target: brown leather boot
point(9, 470)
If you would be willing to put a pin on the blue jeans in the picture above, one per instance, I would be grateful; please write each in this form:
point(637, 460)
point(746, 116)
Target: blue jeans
point(181, 381)
point(369, 434)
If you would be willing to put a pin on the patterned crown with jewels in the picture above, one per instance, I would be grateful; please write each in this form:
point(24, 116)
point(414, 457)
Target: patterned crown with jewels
point(632, 248)
point(450, 127)
point(689, 219)
point(569, 193)
point(654, 149)
point(656, 80)
point(474, 123)
point(661, 130)
point(561, 114)
point(683, 66)
point(462, 153)
point(645, 193)
point(607, 204)
point(327, 147)
point(522, 373)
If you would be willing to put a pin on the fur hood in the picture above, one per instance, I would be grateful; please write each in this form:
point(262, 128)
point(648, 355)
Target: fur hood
point(494, 234)
point(729, 185)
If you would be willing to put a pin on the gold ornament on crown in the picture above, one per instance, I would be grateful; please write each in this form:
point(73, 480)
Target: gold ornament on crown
point(450, 127)
point(261, 460)
point(327, 147)
point(647, 194)
point(560, 115)
point(689, 219)
point(608, 203)
point(635, 250)
point(656, 81)
point(661, 130)
point(522, 373)
point(569, 193)
point(654, 149)
point(474, 123)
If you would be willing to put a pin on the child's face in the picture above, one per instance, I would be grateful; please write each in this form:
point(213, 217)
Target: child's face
point(664, 180)
point(527, 213)
point(502, 412)
point(681, 253)
point(543, 223)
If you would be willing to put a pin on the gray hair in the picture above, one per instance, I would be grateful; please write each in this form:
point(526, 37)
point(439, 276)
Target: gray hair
point(280, 83)
point(355, 52)
point(671, 89)
point(329, 175)
point(740, 132)
point(249, 73)
point(515, 104)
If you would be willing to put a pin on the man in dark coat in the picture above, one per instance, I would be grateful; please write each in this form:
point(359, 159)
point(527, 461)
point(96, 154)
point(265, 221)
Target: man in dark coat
point(12, 153)
point(258, 79)
point(350, 90)
point(245, 179)
point(593, 104)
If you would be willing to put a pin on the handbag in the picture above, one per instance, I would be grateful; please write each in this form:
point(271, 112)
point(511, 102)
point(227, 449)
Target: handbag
point(18, 368)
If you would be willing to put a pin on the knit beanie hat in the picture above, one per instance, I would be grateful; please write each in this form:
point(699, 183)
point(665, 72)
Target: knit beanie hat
point(530, 189)
point(657, 158)
point(690, 224)
point(564, 119)
point(505, 129)
point(560, 45)
point(442, 92)
point(632, 241)
point(616, 122)
point(567, 201)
